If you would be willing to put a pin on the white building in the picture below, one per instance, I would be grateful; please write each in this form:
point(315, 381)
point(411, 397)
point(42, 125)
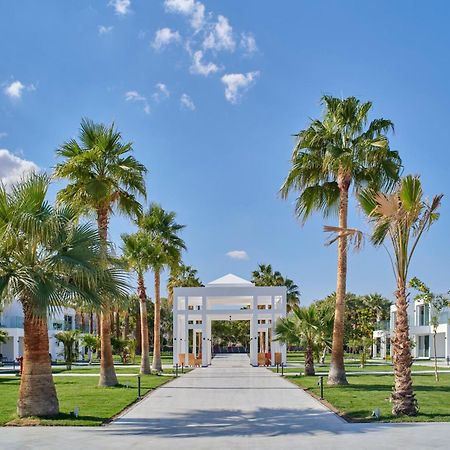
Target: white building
point(227, 298)
point(11, 320)
point(420, 330)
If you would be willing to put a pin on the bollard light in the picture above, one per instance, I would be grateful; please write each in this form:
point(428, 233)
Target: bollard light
point(139, 386)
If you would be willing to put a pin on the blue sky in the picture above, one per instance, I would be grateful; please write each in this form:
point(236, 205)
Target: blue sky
point(210, 93)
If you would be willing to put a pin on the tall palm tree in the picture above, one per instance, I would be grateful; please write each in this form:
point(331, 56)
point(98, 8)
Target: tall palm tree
point(103, 176)
point(403, 217)
point(138, 254)
point(264, 275)
point(292, 295)
point(182, 275)
point(69, 340)
point(166, 245)
point(305, 327)
point(329, 157)
point(47, 261)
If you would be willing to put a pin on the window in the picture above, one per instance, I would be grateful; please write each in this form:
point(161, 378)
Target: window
point(423, 346)
point(423, 315)
point(68, 322)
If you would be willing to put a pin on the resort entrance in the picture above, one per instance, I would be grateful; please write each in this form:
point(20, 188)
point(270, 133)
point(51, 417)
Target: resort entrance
point(227, 299)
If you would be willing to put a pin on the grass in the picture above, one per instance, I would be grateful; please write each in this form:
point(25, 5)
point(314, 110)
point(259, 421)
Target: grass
point(367, 392)
point(97, 405)
point(356, 368)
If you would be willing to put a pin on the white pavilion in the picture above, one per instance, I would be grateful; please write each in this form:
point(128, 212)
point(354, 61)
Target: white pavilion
point(227, 298)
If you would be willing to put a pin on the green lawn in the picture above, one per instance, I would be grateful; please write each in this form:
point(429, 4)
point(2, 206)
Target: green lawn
point(367, 392)
point(356, 368)
point(97, 405)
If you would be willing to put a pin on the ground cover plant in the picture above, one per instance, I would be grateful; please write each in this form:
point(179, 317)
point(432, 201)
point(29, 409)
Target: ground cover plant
point(96, 405)
point(365, 393)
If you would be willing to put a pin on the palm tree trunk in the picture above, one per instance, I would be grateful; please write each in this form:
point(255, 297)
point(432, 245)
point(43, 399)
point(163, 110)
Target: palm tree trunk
point(156, 364)
point(107, 372)
point(37, 394)
point(126, 325)
point(309, 361)
point(403, 398)
point(145, 357)
point(117, 319)
point(91, 322)
point(99, 322)
point(138, 333)
point(337, 368)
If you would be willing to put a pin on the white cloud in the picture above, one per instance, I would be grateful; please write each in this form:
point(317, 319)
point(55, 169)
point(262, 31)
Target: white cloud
point(199, 67)
point(237, 83)
point(186, 102)
point(164, 37)
point(237, 254)
point(221, 36)
point(248, 43)
point(3, 134)
point(134, 96)
point(162, 92)
point(13, 168)
point(193, 9)
point(102, 29)
point(122, 7)
point(14, 90)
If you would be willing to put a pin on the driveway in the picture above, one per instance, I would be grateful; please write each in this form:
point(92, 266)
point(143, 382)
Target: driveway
point(230, 405)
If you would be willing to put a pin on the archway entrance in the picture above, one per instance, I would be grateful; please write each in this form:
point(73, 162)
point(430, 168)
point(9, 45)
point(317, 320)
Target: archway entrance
point(228, 298)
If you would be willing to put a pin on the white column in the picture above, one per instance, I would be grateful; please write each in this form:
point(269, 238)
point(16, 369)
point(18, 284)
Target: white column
point(272, 328)
point(175, 331)
point(194, 342)
point(283, 314)
point(205, 342)
point(186, 335)
point(209, 342)
point(254, 333)
point(15, 346)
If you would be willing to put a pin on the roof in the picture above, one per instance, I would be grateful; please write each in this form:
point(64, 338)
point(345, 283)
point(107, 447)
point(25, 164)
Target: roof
point(230, 280)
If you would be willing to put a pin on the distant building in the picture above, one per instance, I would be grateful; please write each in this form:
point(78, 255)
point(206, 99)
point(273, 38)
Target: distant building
point(420, 331)
point(11, 320)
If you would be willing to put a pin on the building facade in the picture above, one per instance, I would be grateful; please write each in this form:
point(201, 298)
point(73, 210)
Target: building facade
point(11, 320)
point(421, 332)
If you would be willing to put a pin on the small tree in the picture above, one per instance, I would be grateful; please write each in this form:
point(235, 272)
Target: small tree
point(69, 339)
point(304, 327)
point(92, 343)
point(436, 302)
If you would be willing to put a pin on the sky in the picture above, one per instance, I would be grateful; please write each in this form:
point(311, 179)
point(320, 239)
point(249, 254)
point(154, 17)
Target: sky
point(210, 93)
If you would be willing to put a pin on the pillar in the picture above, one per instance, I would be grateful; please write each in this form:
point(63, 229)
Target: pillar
point(272, 330)
point(254, 333)
point(175, 331)
point(204, 333)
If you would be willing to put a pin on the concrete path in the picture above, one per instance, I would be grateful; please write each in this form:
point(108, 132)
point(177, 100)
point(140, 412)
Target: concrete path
point(230, 405)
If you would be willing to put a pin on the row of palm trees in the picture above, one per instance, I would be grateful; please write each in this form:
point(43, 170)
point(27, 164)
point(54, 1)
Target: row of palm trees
point(49, 258)
point(342, 153)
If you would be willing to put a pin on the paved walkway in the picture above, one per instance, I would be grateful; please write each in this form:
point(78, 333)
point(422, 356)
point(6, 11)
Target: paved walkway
point(230, 405)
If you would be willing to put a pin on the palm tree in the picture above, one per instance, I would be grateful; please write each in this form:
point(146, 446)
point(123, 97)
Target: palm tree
point(69, 340)
point(292, 295)
point(182, 276)
point(138, 254)
point(103, 176)
point(329, 156)
point(161, 228)
point(265, 276)
point(47, 260)
point(403, 217)
point(304, 327)
point(92, 343)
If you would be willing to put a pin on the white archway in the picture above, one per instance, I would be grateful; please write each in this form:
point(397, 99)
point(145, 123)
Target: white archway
point(227, 298)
